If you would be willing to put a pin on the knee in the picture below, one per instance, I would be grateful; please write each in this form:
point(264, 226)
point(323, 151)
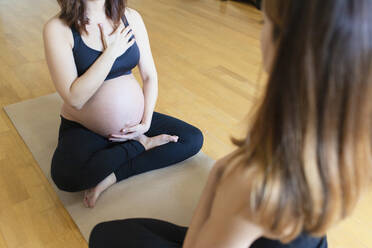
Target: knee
point(193, 139)
point(62, 173)
point(64, 184)
point(97, 236)
point(113, 234)
point(62, 181)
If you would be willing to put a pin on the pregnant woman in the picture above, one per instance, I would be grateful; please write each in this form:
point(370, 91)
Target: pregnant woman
point(109, 130)
point(307, 157)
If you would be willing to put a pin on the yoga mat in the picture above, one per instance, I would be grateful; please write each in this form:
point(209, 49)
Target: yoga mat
point(169, 194)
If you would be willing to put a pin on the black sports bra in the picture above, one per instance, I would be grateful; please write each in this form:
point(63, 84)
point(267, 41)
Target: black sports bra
point(85, 56)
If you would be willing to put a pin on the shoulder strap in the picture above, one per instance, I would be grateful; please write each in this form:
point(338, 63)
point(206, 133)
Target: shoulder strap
point(75, 34)
point(125, 21)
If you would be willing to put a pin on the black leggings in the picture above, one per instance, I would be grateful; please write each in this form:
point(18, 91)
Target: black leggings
point(83, 158)
point(151, 233)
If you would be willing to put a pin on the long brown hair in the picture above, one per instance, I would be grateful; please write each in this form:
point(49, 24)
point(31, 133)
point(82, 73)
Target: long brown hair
point(73, 12)
point(309, 145)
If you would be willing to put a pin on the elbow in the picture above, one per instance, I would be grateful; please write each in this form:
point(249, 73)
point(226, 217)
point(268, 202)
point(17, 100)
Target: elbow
point(75, 105)
point(151, 78)
point(75, 102)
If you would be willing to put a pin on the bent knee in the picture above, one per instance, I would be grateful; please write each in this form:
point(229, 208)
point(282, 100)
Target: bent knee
point(97, 236)
point(61, 172)
point(193, 139)
point(114, 233)
point(65, 183)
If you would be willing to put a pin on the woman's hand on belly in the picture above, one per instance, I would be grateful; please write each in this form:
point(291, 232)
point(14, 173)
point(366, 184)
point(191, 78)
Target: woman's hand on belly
point(128, 133)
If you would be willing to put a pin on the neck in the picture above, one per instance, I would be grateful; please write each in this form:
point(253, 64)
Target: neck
point(95, 9)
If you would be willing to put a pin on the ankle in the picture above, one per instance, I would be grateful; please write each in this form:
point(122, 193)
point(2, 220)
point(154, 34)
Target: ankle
point(105, 184)
point(144, 140)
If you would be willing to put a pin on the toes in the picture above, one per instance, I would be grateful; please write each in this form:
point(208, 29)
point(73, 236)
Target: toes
point(85, 199)
point(88, 200)
point(90, 203)
point(86, 203)
point(169, 138)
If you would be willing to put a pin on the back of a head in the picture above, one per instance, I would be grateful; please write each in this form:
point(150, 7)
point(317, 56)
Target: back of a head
point(309, 146)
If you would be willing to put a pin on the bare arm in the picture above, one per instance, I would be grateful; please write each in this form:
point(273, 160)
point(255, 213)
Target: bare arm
point(74, 90)
point(219, 219)
point(203, 210)
point(146, 66)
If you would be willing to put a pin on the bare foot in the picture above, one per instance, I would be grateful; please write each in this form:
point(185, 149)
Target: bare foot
point(151, 142)
point(90, 198)
point(91, 195)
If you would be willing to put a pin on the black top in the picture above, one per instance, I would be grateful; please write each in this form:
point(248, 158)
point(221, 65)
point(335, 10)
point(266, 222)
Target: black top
point(85, 56)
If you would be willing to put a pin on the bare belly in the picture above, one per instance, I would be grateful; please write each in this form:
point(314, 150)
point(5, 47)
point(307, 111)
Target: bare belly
point(117, 103)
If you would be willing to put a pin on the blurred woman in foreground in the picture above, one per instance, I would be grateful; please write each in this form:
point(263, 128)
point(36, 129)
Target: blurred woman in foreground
point(307, 156)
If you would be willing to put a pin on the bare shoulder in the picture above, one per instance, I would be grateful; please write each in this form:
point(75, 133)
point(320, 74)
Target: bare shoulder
point(54, 24)
point(133, 16)
point(55, 28)
point(235, 175)
point(224, 164)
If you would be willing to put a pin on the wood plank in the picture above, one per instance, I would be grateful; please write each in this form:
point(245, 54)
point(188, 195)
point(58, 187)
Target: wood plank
point(209, 63)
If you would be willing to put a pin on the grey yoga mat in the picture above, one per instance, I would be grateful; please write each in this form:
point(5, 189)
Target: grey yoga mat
point(169, 194)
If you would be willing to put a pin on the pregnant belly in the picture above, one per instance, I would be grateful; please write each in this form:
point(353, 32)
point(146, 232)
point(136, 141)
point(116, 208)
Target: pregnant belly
point(117, 103)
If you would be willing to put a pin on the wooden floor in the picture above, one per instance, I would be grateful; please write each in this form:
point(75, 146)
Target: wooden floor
point(208, 59)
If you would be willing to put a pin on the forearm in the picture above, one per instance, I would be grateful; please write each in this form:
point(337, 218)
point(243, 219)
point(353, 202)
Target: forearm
point(202, 210)
point(85, 86)
point(150, 91)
